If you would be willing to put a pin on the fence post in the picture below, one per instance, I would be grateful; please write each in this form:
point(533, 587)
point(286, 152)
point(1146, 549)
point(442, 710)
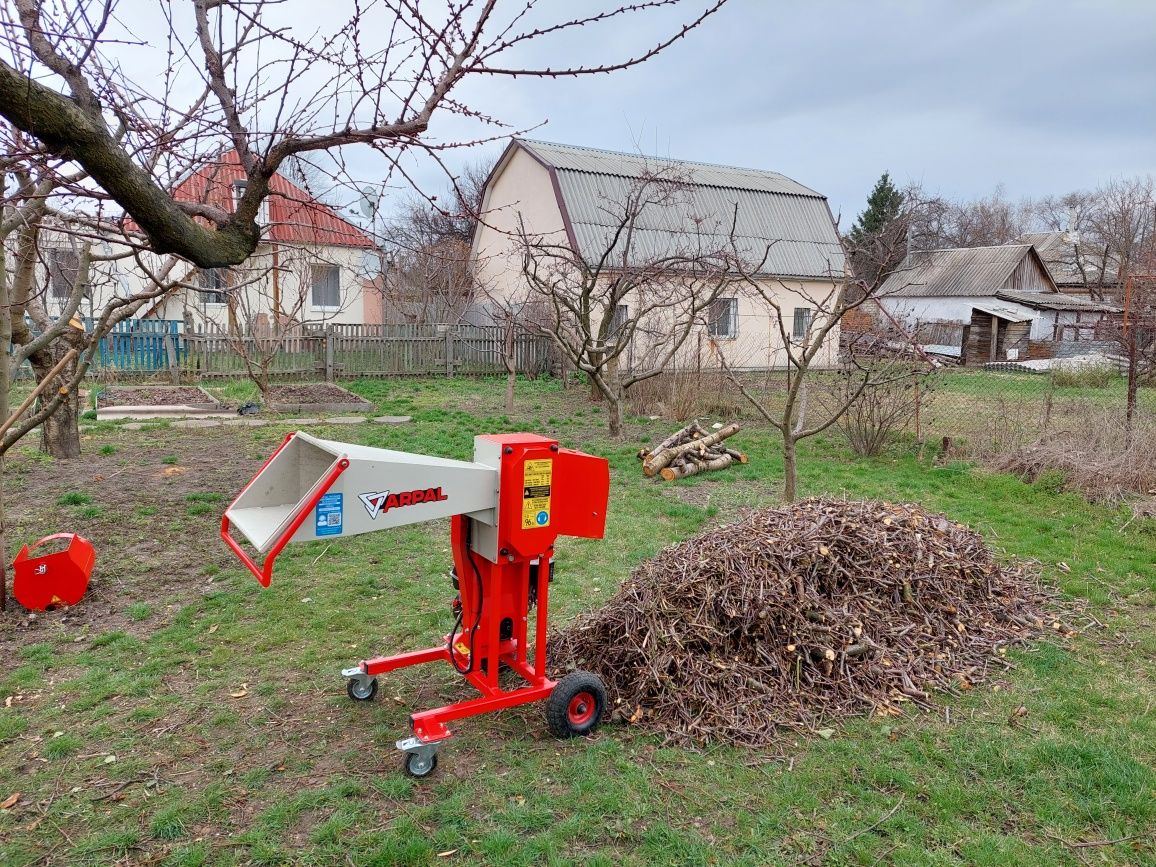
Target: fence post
point(171, 356)
point(329, 353)
point(449, 352)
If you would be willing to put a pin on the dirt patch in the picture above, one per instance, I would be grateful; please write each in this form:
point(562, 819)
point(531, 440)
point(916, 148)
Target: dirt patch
point(313, 392)
point(152, 509)
point(154, 395)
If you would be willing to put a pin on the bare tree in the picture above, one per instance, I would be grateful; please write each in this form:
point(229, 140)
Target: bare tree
point(272, 90)
point(622, 313)
point(1122, 222)
point(810, 341)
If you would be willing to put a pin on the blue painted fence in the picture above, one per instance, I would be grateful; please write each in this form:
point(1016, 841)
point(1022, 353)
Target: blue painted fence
point(140, 344)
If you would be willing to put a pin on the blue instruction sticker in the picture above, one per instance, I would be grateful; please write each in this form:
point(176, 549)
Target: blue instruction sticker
point(329, 511)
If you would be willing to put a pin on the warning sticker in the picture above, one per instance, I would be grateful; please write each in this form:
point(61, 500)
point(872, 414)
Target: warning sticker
point(328, 516)
point(536, 493)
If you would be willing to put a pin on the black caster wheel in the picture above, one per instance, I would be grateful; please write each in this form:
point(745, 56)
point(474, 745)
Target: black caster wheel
point(418, 766)
point(361, 688)
point(575, 706)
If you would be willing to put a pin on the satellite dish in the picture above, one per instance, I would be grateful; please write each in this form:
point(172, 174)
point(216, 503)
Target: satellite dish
point(369, 202)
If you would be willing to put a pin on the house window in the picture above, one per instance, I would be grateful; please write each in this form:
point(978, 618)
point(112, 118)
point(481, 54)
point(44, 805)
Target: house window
point(723, 318)
point(618, 321)
point(215, 285)
point(239, 188)
point(326, 286)
point(802, 323)
point(63, 272)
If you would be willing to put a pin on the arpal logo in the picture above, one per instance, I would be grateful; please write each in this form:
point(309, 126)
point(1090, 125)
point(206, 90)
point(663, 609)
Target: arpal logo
point(373, 502)
point(377, 502)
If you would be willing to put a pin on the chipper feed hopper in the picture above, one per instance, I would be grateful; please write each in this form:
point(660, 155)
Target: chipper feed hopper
point(506, 508)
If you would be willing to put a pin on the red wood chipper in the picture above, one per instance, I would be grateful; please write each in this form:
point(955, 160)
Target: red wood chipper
point(506, 507)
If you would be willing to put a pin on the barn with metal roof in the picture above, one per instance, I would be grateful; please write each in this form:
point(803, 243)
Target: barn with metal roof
point(1002, 301)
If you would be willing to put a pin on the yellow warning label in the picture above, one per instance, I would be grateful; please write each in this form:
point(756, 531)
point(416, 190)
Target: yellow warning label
point(536, 493)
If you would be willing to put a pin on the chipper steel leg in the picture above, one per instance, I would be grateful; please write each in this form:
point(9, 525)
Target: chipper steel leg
point(507, 508)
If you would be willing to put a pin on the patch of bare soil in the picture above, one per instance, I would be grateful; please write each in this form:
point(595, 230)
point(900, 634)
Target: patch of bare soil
point(153, 395)
point(152, 510)
point(313, 392)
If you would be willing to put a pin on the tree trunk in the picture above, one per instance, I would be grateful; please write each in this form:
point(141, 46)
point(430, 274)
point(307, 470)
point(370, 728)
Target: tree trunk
point(3, 527)
point(614, 412)
point(60, 432)
point(511, 370)
point(790, 474)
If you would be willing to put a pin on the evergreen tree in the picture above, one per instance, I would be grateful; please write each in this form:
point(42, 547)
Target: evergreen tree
point(876, 242)
point(884, 206)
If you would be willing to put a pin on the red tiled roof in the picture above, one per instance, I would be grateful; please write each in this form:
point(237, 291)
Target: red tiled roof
point(295, 217)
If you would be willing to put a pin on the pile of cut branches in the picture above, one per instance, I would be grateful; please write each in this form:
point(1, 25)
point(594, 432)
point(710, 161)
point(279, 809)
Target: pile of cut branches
point(691, 451)
point(797, 615)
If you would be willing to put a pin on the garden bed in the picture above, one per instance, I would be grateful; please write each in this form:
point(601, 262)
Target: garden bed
point(191, 396)
point(308, 397)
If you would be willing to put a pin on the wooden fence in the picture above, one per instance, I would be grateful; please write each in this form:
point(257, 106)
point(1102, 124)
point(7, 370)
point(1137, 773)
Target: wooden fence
point(345, 352)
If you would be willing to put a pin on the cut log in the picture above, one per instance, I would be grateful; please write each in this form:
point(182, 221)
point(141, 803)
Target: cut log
point(692, 431)
point(693, 468)
point(741, 457)
point(660, 458)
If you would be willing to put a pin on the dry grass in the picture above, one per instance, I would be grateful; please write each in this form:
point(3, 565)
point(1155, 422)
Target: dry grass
point(682, 395)
point(1095, 457)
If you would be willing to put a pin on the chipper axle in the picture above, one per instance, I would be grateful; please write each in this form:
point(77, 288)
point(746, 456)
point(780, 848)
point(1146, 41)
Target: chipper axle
point(507, 508)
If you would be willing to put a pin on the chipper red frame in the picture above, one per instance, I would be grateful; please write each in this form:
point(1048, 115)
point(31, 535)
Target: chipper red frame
point(506, 510)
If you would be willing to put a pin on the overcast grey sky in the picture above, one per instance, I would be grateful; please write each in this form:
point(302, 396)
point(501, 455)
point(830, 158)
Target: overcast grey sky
point(1041, 97)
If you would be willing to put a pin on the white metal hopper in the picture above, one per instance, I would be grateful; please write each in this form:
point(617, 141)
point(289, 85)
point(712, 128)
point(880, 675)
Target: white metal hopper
point(345, 489)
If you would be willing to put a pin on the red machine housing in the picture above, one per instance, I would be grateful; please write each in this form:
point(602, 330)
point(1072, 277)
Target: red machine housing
point(545, 491)
point(57, 578)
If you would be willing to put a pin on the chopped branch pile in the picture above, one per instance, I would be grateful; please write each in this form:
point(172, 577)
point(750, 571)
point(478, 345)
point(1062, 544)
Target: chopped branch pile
point(801, 614)
point(690, 451)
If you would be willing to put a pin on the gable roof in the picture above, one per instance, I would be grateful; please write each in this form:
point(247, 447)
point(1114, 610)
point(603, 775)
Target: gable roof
point(770, 208)
point(1060, 255)
point(295, 217)
point(960, 272)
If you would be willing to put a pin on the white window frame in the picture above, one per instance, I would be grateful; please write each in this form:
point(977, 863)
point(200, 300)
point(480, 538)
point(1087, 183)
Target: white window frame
point(239, 188)
point(617, 322)
point(730, 317)
point(55, 268)
point(808, 320)
point(210, 275)
point(313, 271)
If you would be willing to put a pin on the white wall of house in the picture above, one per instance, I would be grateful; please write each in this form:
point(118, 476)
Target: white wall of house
point(521, 193)
point(318, 285)
point(323, 285)
point(911, 311)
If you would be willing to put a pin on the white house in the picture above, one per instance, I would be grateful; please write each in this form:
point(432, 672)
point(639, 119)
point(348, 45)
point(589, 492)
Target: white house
point(563, 193)
point(308, 268)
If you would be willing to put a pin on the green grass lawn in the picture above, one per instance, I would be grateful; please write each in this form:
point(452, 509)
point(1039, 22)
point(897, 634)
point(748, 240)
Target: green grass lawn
point(234, 741)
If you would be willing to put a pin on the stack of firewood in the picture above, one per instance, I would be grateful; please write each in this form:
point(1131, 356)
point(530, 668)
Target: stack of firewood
point(690, 451)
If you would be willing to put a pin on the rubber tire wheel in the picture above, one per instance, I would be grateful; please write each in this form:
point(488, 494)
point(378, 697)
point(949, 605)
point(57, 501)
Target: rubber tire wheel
point(412, 759)
point(356, 694)
point(569, 689)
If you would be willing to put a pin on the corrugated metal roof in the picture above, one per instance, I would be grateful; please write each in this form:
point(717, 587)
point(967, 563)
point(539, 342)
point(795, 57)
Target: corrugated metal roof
point(1057, 301)
point(1009, 314)
point(963, 271)
point(788, 223)
point(295, 217)
point(1058, 250)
